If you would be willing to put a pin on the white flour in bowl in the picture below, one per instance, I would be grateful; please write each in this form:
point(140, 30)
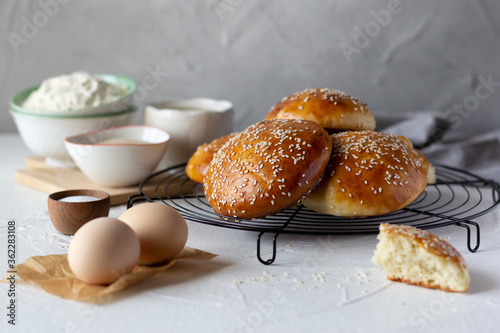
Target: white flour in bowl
point(72, 92)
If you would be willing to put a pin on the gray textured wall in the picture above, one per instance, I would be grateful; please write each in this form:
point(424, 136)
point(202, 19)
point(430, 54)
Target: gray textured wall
point(395, 55)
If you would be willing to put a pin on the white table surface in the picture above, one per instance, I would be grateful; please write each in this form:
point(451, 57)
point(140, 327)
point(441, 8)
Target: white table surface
point(287, 296)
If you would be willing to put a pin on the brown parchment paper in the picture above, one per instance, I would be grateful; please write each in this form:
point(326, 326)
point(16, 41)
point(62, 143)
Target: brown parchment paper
point(53, 274)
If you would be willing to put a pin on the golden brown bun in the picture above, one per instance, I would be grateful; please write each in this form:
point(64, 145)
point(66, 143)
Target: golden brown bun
point(369, 174)
point(197, 166)
point(431, 170)
point(415, 256)
point(268, 167)
point(431, 174)
point(332, 109)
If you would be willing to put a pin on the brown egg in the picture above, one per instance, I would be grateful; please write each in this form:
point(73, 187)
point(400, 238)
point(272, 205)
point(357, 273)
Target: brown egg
point(103, 250)
point(161, 229)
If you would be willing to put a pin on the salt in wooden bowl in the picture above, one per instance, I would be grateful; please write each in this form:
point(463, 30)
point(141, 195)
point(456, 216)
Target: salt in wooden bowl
point(71, 209)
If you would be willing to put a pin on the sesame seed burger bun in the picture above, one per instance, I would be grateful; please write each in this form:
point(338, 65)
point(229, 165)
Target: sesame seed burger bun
point(332, 109)
point(270, 166)
point(197, 166)
point(369, 174)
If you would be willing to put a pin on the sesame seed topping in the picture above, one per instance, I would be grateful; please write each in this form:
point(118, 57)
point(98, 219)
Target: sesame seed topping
point(261, 155)
point(380, 161)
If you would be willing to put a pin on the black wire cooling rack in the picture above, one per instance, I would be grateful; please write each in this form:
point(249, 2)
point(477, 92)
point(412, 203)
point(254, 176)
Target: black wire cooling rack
point(457, 198)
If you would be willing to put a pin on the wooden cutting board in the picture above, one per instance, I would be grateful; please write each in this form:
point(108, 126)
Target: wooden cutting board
point(40, 176)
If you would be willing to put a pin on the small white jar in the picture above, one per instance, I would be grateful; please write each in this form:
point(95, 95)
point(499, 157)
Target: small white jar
point(190, 123)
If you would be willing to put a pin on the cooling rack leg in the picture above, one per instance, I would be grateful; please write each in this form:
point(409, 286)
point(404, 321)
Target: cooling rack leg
point(268, 261)
point(465, 224)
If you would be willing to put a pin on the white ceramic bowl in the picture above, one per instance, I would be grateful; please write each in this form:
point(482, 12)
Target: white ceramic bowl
point(119, 156)
point(44, 134)
point(190, 122)
point(119, 105)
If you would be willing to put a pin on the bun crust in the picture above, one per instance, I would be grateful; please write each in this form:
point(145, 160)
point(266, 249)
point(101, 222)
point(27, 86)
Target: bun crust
point(415, 256)
point(197, 166)
point(369, 174)
point(332, 109)
point(270, 166)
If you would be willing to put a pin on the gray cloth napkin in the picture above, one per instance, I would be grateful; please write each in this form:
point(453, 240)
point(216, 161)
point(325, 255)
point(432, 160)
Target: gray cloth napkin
point(432, 134)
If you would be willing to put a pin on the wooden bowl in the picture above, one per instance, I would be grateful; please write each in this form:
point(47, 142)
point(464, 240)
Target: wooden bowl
point(71, 209)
